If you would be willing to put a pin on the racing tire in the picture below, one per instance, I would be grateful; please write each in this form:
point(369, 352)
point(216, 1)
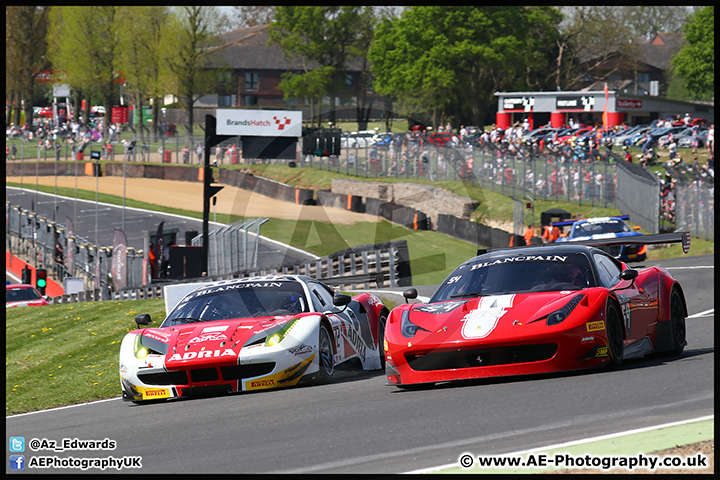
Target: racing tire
point(677, 323)
point(614, 337)
point(325, 355)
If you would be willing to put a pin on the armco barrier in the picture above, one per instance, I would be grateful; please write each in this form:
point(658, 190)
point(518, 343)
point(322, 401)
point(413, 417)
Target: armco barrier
point(473, 232)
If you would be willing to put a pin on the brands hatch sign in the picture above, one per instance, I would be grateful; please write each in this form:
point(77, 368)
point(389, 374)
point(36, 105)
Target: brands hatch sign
point(259, 123)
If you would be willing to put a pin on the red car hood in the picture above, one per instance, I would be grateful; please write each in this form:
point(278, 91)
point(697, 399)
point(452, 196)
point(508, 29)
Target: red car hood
point(494, 318)
point(203, 342)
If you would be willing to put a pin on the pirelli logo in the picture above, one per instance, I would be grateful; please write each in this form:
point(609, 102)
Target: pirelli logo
point(156, 393)
point(595, 326)
point(262, 383)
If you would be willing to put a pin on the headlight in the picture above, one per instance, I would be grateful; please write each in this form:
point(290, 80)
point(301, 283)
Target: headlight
point(278, 336)
point(144, 346)
point(559, 315)
point(141, 351)
point(407, 328)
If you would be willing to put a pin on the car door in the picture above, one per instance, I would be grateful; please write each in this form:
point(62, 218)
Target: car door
point(346, 325)
point(636, 303)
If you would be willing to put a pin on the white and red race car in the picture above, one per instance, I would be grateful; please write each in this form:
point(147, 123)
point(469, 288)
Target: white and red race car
point(251, 334)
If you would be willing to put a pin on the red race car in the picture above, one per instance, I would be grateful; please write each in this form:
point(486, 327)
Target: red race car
point(23, 295)
point(529, 310)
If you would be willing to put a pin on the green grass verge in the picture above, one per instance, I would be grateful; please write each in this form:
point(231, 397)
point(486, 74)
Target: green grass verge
point(66, 354)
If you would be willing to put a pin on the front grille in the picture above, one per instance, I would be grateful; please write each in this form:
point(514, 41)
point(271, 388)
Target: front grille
point(238, 372)
point(164, 378)
point(204, 375)
point(480, 357)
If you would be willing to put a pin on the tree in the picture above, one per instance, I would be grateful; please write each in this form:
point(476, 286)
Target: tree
point(695, 62)
point(140, 58)
point(189, 34)
point(83, 44)
point(450, 60)
point(252, 15)
point(25, 55)
point(319, 37)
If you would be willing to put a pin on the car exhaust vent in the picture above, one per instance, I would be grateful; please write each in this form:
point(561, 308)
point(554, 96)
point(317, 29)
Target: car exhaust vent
point(164, 378)
point(204, 375)
point(480, 357)
point(238, 372)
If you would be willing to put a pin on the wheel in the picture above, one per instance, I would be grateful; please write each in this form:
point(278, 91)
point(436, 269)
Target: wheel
point(614, 337)
point(325, 354)
point(677, 323)
point(381, 339)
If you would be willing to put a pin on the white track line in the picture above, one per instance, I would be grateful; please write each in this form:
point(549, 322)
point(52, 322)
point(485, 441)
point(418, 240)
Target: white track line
point(577, 442)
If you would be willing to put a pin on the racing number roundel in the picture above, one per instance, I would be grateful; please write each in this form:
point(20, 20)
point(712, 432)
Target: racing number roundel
point(482, 321)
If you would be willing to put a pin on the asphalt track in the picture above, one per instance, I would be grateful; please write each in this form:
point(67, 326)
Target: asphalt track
point(359, 425)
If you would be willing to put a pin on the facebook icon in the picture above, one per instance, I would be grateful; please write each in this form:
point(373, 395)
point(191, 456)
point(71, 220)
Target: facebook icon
point(17, 462)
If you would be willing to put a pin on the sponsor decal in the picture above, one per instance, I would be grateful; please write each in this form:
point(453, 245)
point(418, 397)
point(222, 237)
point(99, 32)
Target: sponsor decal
point(374, 301)
point(262, 383)
point(202, 354)
point(221, 328)
point(150, 393)
point(595, 326)
point(587, 339)
point(480, 322)
point(520, 258)
point(601, 352)
point(301, 350)
point(440, 308)
point(156, 335)
point(213, 337)
point(353, 337)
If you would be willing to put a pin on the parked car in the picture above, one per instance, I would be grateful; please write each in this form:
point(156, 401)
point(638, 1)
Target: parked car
point(361, 139)
point(684, 138)
point(620, 140)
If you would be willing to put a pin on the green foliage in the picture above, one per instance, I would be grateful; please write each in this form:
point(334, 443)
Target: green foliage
point(696, 60)
point(450, 59)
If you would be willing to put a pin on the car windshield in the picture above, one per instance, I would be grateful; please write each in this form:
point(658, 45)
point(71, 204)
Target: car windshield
point(239, 300)
point(499, 275)
point(21, 295)
point(586, 229)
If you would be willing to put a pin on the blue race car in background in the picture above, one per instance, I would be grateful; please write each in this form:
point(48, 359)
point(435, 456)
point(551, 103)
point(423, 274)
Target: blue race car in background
point(606, 227)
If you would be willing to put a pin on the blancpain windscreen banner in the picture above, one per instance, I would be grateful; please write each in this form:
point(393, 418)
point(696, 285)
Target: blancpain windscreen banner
point(259, 123)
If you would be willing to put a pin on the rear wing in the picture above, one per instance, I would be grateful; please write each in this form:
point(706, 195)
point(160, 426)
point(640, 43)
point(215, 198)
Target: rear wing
point(656, 239)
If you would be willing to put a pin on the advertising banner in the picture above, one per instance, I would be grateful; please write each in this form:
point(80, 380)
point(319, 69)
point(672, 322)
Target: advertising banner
point(70, 248)
point(119, 261)
point(259, 123)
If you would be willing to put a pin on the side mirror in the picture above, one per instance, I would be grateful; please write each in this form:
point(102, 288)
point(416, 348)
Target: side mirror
point(340, 300)
point(410, 293)
point(628, 274)
point(143, 319)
